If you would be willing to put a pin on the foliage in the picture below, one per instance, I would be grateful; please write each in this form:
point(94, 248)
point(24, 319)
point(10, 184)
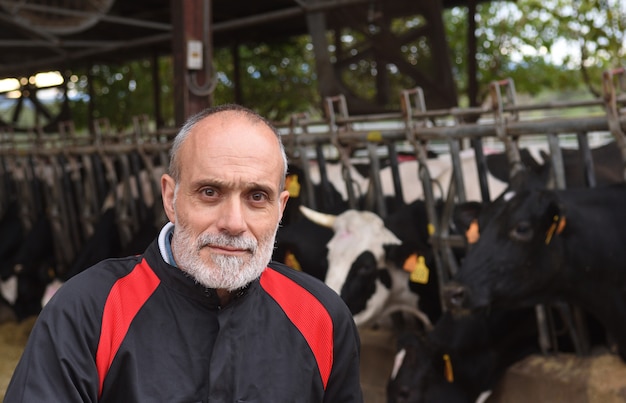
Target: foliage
point(276, 79)
point(120, 92)
point(524, 40)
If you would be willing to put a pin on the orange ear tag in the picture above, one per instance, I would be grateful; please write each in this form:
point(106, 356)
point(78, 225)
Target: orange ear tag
point(473, 233)
point(561, 226)
point(447, 371)
point(558, 224)
point(410, 262)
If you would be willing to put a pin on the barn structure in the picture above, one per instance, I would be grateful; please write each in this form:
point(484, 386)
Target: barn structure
point(69, 177)
point(56, 35)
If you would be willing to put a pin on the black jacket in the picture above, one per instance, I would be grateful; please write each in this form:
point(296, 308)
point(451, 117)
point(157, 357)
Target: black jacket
point(139, 330)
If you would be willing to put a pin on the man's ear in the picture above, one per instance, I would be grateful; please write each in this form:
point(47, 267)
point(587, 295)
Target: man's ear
point(282, 200)
point(168, 186)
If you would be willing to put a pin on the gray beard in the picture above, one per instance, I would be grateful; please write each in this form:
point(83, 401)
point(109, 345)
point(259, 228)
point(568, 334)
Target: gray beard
point(223, 271)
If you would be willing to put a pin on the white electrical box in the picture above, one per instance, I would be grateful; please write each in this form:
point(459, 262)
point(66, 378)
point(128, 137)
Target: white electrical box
point(194, 55)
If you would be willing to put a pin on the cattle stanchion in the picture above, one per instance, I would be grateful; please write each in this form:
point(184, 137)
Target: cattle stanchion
point(336, 126)
point(501, 120)
point(411, 99)
point(587, 160)
point(70, 166)
point(612, 100)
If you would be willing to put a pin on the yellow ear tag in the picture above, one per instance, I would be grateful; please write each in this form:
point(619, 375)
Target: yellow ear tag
point(292, 185)
point(431, 229)
point(291, 261)
point(473, 233)
point(420, 271)
point(447, 369)
point(375, 136)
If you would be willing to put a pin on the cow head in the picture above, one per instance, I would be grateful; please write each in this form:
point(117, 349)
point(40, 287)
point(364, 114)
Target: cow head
point(355, 254)
point(422, 373)
point(516, 256)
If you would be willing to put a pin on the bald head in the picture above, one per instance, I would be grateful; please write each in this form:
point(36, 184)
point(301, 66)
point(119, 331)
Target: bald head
point(227, 111)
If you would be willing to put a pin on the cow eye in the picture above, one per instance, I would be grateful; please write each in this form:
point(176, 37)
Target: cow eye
point(522, 231)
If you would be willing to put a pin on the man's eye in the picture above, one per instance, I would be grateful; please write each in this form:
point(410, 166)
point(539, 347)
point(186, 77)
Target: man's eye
point(209, 192)
point(259, 196)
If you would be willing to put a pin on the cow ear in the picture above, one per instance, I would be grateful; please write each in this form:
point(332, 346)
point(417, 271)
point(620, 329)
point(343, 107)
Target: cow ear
point(497, 165)
point(389, 238)
point(553, 204)
point(466, 213)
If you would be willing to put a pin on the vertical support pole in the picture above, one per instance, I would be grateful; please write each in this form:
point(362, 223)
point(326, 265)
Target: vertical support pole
point(316, 23)
point(610, 80)
point(191, 21)
point(587, 159)
point(472, 64)
point(156, 89)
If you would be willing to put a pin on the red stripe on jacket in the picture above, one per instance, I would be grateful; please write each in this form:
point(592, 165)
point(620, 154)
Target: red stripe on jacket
point(126, 297)
point(307, 313)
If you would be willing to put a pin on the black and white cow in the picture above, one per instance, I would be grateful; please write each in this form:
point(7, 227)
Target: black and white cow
point(30, 269)
point(461, 358)
point(359, 268)
point(538, 246)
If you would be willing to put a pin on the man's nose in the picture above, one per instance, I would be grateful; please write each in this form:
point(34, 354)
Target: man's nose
point(232, 216)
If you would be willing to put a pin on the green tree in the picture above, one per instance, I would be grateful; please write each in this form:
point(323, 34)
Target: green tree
point(548, 45)
point(276, 79)
point(121, 92)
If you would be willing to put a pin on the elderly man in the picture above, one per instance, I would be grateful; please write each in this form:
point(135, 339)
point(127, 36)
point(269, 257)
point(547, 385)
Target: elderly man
point(202, 315)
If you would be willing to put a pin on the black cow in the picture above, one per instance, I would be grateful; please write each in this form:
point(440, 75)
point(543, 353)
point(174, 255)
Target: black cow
point(461, 357)
point(607, 160)
point(12, 234)
point(540, 246)
point(105, 242)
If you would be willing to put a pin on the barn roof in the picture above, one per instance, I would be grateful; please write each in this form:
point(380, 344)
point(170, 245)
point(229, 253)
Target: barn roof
point(42, 35)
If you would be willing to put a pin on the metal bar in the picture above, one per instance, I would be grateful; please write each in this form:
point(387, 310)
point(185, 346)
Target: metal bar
point(395, 174)
point(273, 16)
point(61, 60)
point(97, 15)
point(587, 160)
point(556, 159)
point(472, 131)
point(612, 111)
point(375, 183)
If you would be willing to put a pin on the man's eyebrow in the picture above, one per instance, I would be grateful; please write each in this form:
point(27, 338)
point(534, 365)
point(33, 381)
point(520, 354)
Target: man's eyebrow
point(221, 184)
point(250, 186)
